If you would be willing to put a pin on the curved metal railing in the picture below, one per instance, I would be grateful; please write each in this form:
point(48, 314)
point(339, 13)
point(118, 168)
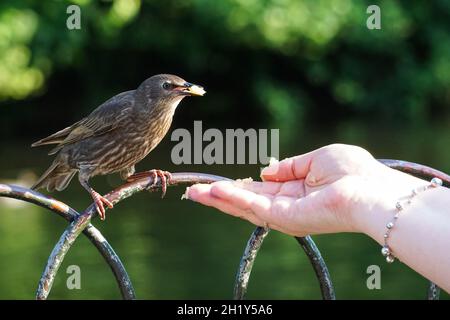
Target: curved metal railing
point(81, 223)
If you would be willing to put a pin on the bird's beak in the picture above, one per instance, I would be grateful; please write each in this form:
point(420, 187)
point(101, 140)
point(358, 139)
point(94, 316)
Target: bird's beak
point(192, 89)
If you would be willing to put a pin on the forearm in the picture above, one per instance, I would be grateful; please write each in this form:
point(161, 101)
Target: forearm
point(421, 235)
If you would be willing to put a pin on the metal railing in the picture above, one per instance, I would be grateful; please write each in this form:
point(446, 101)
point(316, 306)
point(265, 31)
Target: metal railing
point(81, 223)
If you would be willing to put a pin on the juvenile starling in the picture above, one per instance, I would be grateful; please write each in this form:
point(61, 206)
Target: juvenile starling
point(116, 136)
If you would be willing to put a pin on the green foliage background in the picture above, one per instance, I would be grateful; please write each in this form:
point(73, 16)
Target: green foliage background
point(286, 57)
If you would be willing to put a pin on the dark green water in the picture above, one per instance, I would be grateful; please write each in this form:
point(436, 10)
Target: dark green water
point(178, 249)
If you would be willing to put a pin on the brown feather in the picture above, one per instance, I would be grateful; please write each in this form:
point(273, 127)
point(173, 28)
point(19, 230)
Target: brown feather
point(55, 138)
point(115, 136)
point(105, 118)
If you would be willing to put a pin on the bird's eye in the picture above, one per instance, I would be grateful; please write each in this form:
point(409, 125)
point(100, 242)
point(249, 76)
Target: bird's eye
point(166, 85)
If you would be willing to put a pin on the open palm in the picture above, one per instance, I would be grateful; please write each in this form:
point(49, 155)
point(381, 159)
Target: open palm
point(317, 192)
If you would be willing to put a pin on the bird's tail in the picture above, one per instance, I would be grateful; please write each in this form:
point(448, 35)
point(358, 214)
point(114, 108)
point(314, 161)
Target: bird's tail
point(54, 178)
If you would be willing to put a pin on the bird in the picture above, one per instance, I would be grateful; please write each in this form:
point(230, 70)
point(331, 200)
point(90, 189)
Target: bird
point(115, 136)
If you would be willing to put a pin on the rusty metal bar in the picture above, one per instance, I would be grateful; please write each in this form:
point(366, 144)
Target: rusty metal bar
point(433, 291)
point(82, 221)
point(249, 256)
point(416, 169)
point(247, 260)
point(319, 266)
point(92, 233)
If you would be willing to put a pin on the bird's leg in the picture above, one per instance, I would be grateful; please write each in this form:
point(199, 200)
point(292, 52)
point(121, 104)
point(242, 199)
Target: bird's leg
point(99, 200)
point(165, 177)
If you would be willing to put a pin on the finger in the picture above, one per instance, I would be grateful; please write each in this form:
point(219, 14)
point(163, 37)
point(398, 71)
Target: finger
point(241, 198)
point(288, 169)
point(284, 213)
point(293, 188)
point(202, 193)
point(242, 203)
point(294, 216)
point(275, 211)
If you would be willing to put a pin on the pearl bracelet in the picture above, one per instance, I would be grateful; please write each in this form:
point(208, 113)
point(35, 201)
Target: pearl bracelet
point(399, 206)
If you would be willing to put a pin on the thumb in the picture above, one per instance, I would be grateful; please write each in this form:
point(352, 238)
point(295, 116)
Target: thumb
point(293, 168)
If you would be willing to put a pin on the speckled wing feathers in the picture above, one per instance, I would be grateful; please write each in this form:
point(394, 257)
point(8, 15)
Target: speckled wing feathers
point(105, 118)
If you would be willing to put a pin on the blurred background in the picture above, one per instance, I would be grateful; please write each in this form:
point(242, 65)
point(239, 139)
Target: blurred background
point(308, 67)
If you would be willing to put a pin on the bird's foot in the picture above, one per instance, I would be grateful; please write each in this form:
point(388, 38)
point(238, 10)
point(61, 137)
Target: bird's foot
point(165, 177)
point(100, 201)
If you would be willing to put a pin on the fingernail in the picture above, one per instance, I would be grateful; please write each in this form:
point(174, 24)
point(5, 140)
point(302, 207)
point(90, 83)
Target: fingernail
point(185, 194)
point(188, 195)
point(270, 170)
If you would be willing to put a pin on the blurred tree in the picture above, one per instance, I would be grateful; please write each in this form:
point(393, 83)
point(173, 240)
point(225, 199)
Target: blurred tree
point(294, 58)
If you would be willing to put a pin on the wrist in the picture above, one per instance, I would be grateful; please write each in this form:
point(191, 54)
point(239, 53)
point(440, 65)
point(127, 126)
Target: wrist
point(375, 206)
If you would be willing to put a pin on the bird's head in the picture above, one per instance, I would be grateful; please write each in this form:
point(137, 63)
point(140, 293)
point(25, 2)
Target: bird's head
point(169, 88)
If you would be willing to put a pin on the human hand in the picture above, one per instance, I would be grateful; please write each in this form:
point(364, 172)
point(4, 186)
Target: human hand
point(337, 188)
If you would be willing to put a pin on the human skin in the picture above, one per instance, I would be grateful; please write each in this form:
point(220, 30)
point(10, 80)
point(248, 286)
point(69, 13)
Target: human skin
point(342, 188)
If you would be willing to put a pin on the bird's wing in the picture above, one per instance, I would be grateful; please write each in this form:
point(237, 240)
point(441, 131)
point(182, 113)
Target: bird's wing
point(55, 138)
point(108, 116)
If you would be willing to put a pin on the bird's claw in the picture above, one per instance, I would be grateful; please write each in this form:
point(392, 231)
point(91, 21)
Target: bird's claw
point(99, 202)
point(165, 177)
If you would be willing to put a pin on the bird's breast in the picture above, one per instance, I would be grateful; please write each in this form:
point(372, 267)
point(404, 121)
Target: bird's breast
point(127, 146)
point(139, 143)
